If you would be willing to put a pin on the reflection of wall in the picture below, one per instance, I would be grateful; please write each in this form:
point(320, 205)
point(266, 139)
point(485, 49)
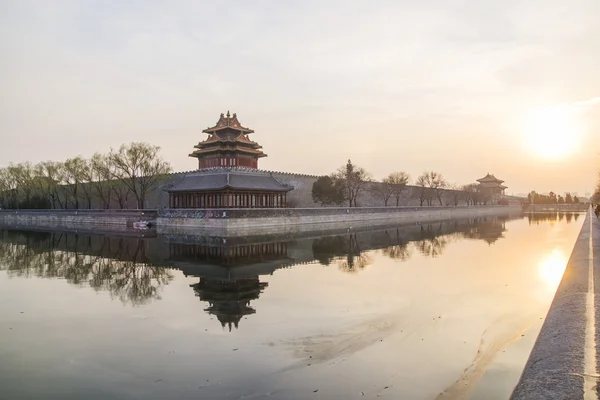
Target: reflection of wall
point(228, 255)
point(428, 239)
point(228, 269)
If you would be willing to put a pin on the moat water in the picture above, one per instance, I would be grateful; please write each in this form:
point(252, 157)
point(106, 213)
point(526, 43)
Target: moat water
point(444, 310)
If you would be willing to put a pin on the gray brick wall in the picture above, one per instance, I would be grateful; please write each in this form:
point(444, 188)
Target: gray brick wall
point(300, 197)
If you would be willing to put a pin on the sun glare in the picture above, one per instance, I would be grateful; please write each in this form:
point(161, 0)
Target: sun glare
point(552, 268)
point(553, 132)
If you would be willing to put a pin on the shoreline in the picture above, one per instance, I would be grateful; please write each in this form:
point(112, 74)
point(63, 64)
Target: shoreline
point(243, 222)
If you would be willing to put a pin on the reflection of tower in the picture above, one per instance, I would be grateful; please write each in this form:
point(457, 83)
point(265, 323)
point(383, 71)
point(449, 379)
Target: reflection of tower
point(229, 272)
point(229, 301)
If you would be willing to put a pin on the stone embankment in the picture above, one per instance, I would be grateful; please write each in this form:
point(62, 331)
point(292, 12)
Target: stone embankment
point(236, 222)
point(239, 222)
point(563, 363)
point(73, 219)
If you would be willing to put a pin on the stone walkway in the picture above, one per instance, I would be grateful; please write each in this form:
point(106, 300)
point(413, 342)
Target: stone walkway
point(564, 362)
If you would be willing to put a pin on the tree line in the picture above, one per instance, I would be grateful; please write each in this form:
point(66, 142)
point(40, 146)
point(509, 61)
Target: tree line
point(551, 198)
point(112, 178)
point(346, 184)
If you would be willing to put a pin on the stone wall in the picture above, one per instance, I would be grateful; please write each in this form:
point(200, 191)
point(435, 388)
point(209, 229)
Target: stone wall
point(236, 222)
point(300, 197)
point(370, 196)
point(73, 219)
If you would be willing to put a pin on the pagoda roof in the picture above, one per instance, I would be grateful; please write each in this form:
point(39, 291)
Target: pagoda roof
point(215, 139)
point(489, 178)
point(228, 148)
point(228, 121)
point(228, 178)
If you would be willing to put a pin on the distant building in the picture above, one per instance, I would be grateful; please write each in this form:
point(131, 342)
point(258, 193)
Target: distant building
point(491, 188)
point(228, 175)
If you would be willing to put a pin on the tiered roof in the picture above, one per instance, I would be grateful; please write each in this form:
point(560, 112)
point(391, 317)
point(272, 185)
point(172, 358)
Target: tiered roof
point(489, 178)
point(490, 181)
point(228, 178)
point(228, 135)
point(228, 121)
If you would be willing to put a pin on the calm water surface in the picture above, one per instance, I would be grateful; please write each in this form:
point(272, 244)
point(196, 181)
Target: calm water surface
point(446, 310)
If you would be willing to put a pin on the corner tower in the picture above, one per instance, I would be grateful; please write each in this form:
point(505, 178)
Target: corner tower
point(228, 145)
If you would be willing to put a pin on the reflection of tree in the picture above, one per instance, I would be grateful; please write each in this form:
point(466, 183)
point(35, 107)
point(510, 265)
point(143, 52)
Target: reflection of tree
point(489, 229)
point(538, 217)
point(355, 259)
point(432, 243)
point(429, 239)
point(325, 249)
point(398, 252)
point(344, 250)
point(397, 248)
point(116, 265)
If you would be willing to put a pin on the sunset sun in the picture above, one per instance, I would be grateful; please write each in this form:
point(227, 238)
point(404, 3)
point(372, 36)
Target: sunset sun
point(553, 132)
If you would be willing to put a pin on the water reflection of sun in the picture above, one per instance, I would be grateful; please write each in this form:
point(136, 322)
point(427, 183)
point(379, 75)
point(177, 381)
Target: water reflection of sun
point(552, 267)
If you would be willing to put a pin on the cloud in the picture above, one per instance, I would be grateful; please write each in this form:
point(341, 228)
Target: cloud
point(427, 74)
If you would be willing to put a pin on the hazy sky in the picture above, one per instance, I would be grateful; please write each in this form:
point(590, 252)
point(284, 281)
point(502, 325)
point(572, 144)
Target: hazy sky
point(448, 85)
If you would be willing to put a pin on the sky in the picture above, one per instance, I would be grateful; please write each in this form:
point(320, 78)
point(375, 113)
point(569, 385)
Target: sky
point(455, 86)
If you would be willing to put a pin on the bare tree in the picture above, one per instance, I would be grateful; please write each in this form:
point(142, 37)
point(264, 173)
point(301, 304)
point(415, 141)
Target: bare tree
point(438, 185)
point(393, 186)
point(22, 176)
point(139, 168)
point(354, 179)
point(121, 193)
point(384, 190)
point(399, 180)
point(7, 188)
point(456, 193)
point(424, 194)
point(103, 172)
point(471, 193)
point(72, 178)
point(88, 176)
point(431, 184)
point(50, 173)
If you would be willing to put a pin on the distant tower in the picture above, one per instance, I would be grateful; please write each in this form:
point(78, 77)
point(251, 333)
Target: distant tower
point(228, 145)
point(491, 187)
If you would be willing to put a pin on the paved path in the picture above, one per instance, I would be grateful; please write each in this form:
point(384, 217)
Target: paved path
point(564, 362)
